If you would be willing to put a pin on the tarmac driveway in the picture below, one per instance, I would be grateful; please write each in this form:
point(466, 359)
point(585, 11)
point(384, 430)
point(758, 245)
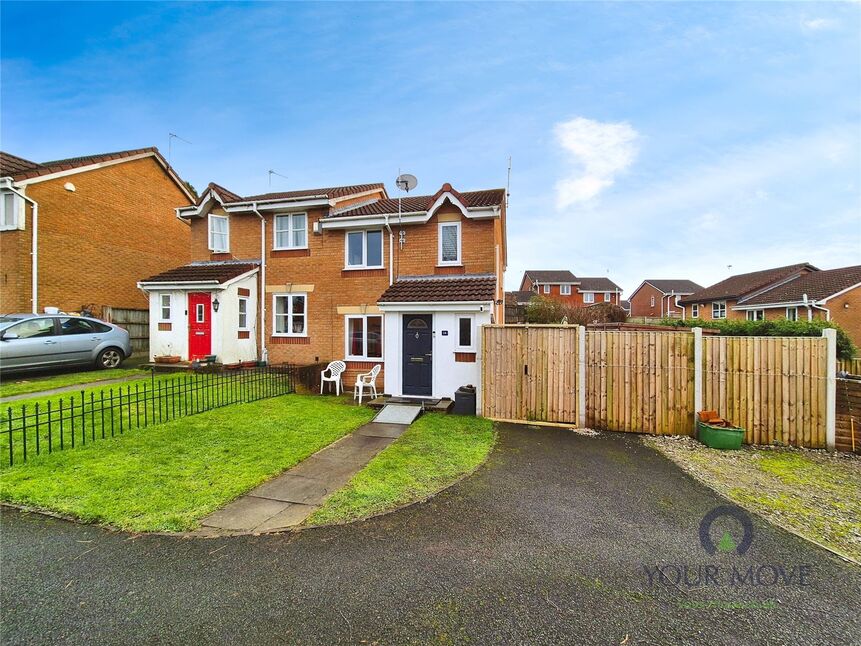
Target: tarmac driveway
point(545, 544)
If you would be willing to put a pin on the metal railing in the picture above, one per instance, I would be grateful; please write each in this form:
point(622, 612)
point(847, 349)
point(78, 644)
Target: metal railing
point(84, 418)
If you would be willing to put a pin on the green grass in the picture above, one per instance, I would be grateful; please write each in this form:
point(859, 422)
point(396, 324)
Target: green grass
point(434, 452)
point(168, 477)
point(22, 384)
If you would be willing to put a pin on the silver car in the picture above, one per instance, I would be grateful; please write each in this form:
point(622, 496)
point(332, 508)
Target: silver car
point(43, 341)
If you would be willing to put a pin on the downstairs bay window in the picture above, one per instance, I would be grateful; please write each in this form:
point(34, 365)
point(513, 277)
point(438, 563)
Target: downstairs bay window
point(364, 337)
point(289, 314)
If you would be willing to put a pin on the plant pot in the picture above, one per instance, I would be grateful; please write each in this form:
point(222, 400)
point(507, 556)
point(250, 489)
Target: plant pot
point(168, 359)
point(720, 437)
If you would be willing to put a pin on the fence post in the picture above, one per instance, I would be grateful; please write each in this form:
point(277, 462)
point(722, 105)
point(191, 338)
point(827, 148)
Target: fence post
point(698, 373)
point(581, 376)
point(830, 335)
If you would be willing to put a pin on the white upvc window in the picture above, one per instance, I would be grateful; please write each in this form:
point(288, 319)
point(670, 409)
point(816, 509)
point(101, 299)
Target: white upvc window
point(364, 337)
point(165, 307)
point(756, 315)
point(607, 297)
point(719, 310)
point(11, 207)
point(791, 313)
point(565, 290)
point(291, 231)
point(243, 313)
point(364, 249)
point(449, 243)
point(547, 288)
point(652, 301)
point(695, 311)
point(290, 314)
point(465, 341)
point(588, 297)
point(219, 233)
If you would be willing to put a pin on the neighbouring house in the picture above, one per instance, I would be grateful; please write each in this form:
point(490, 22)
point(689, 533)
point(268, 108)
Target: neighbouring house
point(718, 302)
point(832, 294)
point(77, 234)
point(625, 305)
point(567, 288)
point(659, 298)
point(515, 306)
point(339, 273)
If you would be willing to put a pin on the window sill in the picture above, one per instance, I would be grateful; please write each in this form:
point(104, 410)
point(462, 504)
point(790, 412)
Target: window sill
point(365, 359)
point(449, 264)
point(363, 268)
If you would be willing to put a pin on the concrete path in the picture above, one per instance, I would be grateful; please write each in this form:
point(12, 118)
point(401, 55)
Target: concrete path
point(73, 387)
point(288, 499)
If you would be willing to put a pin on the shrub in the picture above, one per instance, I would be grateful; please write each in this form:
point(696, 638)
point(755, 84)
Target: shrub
point(543, 310)
point(776, 327)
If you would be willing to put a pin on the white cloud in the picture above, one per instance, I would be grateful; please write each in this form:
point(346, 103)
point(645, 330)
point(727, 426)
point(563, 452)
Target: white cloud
point(598, 151)
point(818, 24)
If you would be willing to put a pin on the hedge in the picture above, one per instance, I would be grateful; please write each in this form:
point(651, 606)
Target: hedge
point(776, 327)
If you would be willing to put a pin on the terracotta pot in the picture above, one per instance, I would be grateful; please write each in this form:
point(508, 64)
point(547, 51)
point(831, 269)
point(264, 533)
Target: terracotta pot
point(168, 359)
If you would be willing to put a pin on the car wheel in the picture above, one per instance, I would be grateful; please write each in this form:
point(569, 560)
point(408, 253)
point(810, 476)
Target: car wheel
point(109, 358)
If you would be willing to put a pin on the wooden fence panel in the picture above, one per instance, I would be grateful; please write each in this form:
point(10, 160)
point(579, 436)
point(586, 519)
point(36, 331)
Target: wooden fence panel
point(852, 366)
point(848, 426)
point(773, 387)
point(135, 321)
point(530, 373)
point(640, 382)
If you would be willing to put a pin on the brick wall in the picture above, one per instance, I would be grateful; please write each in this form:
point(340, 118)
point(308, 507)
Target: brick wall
point(846, 312)
point(575, 298)
point(331, 289)
point(705, 313)
point(641, 303)
point(95, 243)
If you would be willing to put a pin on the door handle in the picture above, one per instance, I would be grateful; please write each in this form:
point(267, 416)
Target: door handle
point(417, 360)
point(50, 343)
point(199, 333)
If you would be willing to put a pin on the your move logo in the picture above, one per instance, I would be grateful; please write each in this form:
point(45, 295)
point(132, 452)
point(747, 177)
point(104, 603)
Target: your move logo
point(733, 529)
point(727, 543)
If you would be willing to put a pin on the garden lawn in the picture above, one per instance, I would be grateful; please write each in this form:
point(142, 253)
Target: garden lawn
point(22, 384)
point(813, 493)
point(431, 454)
point(167, 477)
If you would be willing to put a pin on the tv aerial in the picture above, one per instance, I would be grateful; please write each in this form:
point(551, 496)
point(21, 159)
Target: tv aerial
point(406, 183)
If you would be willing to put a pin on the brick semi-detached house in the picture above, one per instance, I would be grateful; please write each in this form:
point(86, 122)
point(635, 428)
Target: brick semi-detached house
point(658, 298)
point(336, 273)
point(563, 286)
point(80, 232)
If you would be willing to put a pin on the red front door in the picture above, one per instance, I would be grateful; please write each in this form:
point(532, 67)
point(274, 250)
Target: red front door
point(199, 325)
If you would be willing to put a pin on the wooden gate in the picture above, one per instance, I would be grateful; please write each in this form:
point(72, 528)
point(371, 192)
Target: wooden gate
point(530, 373)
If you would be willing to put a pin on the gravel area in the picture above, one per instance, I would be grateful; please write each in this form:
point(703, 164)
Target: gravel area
point(816, 494)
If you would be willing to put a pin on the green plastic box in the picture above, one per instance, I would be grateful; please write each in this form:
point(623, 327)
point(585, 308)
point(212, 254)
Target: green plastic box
point(720, 437)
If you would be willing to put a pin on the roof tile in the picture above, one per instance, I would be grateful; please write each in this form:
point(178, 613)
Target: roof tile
point(218, 272)
point(440, 289)
point(742, 284)
point(817, 285)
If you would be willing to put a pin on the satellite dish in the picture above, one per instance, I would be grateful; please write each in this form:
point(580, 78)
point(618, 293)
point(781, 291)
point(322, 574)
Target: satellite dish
point(406, 182)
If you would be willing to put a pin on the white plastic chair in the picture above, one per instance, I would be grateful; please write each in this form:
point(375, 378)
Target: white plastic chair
point(367, 380)
point(335, 370)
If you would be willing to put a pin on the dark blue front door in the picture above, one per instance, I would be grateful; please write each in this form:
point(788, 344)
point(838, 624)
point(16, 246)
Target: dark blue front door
point(418, 355)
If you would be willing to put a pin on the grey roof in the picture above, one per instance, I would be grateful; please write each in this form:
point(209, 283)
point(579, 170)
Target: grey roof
point(550, 276)
point(676, 286)
point(521, 297)
point(597, 284)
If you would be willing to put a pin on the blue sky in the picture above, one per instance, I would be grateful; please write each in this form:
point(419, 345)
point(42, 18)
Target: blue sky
point(648, 140)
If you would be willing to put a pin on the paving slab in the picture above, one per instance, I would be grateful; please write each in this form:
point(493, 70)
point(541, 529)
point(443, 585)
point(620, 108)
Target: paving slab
point(399, 413)
point(291, 488)
point(379, 429)
point(337, 468)
point(244, 513)
point(294, 514)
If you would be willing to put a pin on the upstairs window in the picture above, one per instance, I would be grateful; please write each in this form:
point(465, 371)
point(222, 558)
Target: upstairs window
point(364, 249)
point(565, 290)
point(165, 307)
point(10, 207)
point(589, 297)
point(289, 315)
point(719, 310)
point(219, 233)
point(364, 337)
point(449, 243)
point(652, 301)
point(291, 231)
